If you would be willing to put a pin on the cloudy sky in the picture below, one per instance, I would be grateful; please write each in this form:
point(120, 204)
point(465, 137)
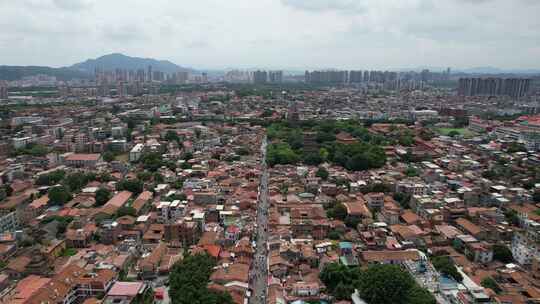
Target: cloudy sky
point(275, 33)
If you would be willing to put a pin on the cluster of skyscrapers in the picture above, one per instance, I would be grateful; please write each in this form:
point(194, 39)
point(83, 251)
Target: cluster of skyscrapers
point(352, 77)
point(260, 77)
point(140, 75)
point(514, 87)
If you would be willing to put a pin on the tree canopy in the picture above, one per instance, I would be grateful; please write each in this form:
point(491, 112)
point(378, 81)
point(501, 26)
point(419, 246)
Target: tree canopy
point(189, 279)
point(50, 178)
point(291, 146)
point(389, 284)
point(502, 253)
point(379, 284)
point(102, 196)
point(133, 185)
point(490, 283)
point(445, 265)
point(59, 195)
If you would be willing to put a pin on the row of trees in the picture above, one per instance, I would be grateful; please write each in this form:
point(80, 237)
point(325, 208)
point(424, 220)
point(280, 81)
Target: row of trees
point(379, 284)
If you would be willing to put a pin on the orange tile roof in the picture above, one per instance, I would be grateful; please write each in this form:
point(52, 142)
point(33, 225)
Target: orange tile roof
point(212, 250)
point(82, 157)
point(27, 287)
point(380, 256)
point(40, 202)
point(468, 226)
point(410, 217)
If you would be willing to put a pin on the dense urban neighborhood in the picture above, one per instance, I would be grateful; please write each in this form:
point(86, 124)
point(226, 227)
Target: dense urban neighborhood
point(140, 186)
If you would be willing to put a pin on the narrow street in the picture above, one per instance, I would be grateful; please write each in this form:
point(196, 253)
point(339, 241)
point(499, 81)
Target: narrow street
point(259, 271)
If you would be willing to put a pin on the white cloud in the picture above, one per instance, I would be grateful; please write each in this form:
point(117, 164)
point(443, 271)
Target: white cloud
point(275, 33)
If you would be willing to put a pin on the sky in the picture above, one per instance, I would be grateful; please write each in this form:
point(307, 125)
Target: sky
point(288, 34)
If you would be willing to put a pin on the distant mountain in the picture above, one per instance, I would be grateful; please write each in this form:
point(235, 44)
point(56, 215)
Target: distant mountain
point(120, 61)
point(17, 72)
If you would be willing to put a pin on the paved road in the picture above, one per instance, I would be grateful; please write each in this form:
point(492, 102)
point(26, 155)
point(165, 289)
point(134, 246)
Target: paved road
point(259, 272)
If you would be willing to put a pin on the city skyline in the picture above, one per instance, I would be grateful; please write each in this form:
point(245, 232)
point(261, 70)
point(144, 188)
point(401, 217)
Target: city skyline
point(286, 34)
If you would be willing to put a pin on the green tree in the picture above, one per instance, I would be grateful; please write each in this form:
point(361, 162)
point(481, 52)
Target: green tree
point(76, 181)
point(281, 154)
point(126, 211)
point(419, 295)
point(38, 150)
point(322, 173)
point(445, 265)
point(132, 185)
point(59, 195)
point(144, 176)
point(340, 280)
point(411, 172)
point(406, 140)
point(108, 156)
point(152, 161)
point(385, 284)
point(188, 281)
point(172, 136)
point(453, 133)
point(334, 235)
point(312, 159)
point(323, 153)
point(62, 221)
point(340, 211)
point(188, 156)
point(51, 178)
point(352, 221)
point(267, 112)
point(179, 184)
point(158, 178)
point(502, 253)
point(104, 177)
point(102, 196)
point(489, 282)
point(516, 147)
point(512, 217)
point(7, 190)
point(403, 199)
point(536, 196)
point(242, 151)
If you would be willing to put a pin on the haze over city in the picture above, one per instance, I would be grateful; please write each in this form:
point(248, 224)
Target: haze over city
point(285, 34)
